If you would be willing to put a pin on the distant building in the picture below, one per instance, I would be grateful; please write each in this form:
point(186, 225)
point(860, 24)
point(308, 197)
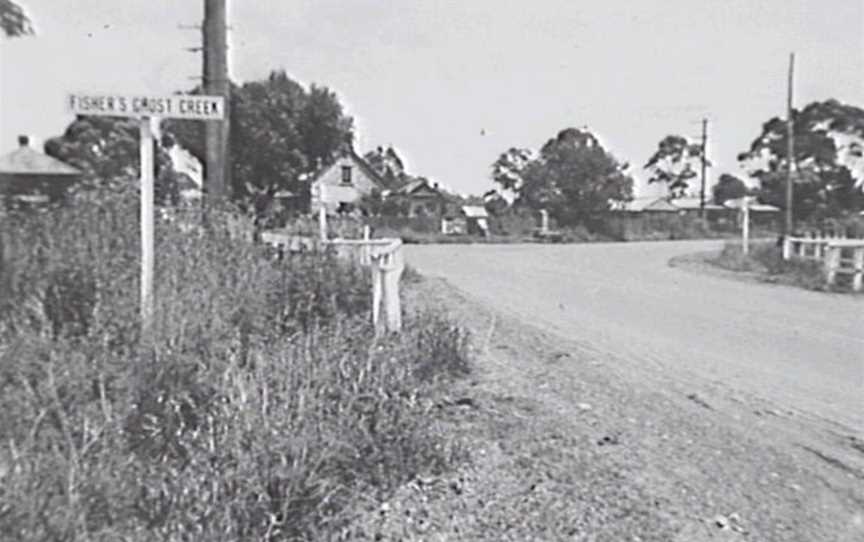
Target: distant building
point(470, 219)
point(419, 198)
point(694, 205)
point(340, 186)
point(29, 176)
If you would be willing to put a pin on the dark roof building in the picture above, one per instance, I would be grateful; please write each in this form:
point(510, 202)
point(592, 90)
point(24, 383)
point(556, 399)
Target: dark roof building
point(27, 173)
point(420, 198)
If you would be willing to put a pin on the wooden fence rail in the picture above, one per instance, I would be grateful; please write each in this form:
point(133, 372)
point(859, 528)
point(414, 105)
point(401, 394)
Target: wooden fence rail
point(383, 256)
point(839, 256)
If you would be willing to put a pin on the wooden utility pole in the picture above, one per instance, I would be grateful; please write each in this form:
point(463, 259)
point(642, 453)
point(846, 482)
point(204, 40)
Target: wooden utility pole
point(216, 83)
point(704, 168)
point(790, 149)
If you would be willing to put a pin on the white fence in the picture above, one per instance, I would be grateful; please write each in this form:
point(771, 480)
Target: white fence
point(839, 256)
point(386, 260)
point(383, 256)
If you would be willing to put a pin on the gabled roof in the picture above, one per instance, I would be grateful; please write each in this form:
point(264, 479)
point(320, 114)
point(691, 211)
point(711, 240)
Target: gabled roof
point(360, 162)
point(416, 186)
point(26, 161)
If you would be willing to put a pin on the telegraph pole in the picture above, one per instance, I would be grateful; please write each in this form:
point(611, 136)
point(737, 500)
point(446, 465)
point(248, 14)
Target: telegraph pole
point(704, 167)
point(790, 149)
point(216, 83)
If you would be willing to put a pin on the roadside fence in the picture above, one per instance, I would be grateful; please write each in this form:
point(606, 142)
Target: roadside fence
point(840, 256)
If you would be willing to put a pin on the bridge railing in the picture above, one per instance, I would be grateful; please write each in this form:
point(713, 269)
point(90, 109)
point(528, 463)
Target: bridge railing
point(384, 257)
point(839, 256)
point(386, 260)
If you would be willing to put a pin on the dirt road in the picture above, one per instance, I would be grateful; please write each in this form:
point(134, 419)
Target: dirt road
point(615, 398)
point(800, 352)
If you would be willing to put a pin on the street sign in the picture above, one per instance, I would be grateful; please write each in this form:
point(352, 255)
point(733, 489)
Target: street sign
point(175, 106)
point(149, 110)
point(739, 203)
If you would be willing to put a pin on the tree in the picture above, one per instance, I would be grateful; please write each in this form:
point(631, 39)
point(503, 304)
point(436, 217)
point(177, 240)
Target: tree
point(674, 164)
point(279, 133)
point(106, 150)
point(829, 139)
point(573, 177)
point(13, 21)
point(495, 203)
point(388, 165)
point(509, 168)
point(729, 187)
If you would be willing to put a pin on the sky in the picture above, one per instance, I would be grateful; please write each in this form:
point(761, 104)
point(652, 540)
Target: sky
point(454, 83)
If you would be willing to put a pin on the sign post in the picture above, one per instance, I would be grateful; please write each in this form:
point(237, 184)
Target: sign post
point(148, 109)
point(745, 225)
point(146, 128)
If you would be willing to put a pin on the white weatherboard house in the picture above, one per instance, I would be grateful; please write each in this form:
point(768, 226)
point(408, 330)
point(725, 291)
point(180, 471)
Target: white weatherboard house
point(340, 186)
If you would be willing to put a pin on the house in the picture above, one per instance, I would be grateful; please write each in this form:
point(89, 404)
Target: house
point(419, 198)
point(28, 176)
point(340, 186)
point(470, 219)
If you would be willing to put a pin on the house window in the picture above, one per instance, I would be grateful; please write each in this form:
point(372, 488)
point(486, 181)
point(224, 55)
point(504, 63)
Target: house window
point(346, 174)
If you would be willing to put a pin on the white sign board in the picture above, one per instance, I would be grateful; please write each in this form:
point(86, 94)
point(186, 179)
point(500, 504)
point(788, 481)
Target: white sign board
point(177, 106)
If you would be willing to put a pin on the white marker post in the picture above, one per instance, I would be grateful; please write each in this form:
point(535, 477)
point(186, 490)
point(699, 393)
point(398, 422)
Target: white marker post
point(743, 205)
point(745, 225)
point(148, 109)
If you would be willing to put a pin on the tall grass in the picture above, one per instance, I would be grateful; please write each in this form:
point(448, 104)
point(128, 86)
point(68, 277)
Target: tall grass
point(264, 407)
point(767, 259)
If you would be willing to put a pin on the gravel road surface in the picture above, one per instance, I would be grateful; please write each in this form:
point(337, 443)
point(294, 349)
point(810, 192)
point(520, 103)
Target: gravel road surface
point(801, 351)
point(615, 398)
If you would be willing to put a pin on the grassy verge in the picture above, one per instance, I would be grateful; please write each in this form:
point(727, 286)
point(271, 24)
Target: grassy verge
point(263, 408)
point(765, 260)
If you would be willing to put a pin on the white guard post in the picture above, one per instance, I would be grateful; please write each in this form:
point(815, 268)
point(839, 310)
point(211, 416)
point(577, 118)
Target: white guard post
point(385, 258)
point(387, 266)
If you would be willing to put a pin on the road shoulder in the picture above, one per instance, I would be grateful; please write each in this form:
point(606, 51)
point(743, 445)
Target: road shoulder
point(563, 446)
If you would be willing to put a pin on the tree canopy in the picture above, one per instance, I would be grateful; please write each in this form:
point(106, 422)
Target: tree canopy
point(279, 131)
point(674, 163)
point(509, 168)
point(106, 150)
point(572, 176)
point(729, 187)
point(13, 20)
point(829, 144)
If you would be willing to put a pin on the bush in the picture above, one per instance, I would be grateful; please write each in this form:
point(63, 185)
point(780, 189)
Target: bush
point(264, 407)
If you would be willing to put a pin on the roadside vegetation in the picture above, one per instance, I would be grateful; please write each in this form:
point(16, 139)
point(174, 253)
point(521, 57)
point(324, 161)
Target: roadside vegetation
point(264, 407)
point(765, 260)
